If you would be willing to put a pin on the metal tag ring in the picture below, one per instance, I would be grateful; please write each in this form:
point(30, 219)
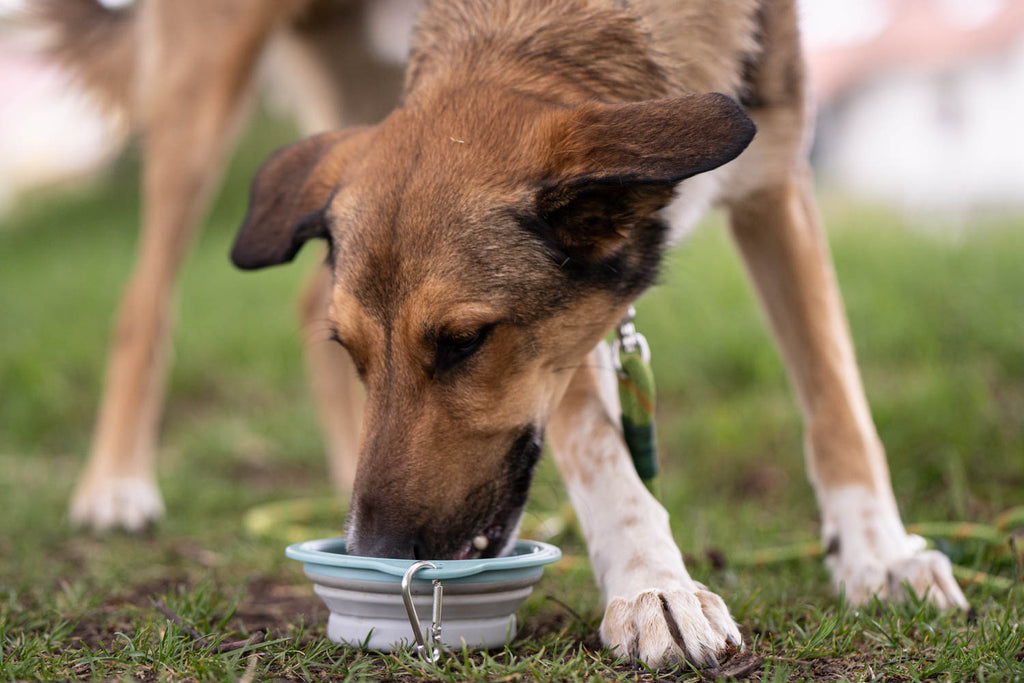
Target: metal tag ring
point(640, 341)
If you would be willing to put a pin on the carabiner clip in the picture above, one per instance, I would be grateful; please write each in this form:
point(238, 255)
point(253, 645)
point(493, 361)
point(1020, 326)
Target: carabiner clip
point(430, 647)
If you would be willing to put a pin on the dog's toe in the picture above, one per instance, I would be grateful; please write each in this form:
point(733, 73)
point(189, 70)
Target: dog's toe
point(129, 503)
point(929, 573)
point(665, 627)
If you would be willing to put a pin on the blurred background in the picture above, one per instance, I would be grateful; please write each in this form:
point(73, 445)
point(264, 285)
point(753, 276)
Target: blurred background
point(920, 101)
point(920, 164)
point(920, 104)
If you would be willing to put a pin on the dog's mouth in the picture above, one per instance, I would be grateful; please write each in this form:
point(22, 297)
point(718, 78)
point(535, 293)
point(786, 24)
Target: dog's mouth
point(497, 536)
point(495, 540)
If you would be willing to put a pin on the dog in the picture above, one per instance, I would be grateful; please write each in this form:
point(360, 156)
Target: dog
point(487, 234)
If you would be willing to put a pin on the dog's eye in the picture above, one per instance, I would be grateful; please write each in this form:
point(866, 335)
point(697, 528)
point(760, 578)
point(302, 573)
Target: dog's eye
point(360, 368)
point(454, 348)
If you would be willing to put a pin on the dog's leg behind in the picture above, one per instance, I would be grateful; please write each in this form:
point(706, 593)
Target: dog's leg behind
point(654, 611)
point(334, 70)
point(868, 550)
point(332, 377)
point(335, 76)
point(195, 62)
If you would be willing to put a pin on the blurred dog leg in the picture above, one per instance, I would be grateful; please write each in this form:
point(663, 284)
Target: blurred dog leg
point(194, 65)
point(331, 73)
point(336, 388)
point(329, 68)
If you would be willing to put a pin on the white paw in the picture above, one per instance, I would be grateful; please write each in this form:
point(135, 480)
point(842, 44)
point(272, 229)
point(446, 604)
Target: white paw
point(129, 503)
point(664, 627)
point(869, 553)
point(928, 572)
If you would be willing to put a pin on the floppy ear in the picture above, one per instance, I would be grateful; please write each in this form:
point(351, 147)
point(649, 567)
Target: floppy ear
point(612, 166)
point(288, 198)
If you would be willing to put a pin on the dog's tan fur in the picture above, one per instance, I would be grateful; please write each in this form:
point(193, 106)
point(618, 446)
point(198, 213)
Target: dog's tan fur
point(484, 238)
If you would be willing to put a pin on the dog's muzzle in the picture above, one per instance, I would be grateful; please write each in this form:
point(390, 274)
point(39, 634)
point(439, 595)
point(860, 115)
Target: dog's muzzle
point(485, 524)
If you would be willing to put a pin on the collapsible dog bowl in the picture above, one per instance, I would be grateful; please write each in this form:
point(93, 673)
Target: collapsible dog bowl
point(384, 604)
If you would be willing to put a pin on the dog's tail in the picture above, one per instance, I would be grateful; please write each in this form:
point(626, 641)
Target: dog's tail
point(95, 44)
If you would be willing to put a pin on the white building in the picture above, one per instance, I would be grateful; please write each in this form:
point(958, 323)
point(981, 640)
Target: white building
point(922, 101)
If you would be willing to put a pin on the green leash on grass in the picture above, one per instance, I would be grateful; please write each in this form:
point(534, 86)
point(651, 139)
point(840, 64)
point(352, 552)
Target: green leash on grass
point(632, 359)
point(995, 541)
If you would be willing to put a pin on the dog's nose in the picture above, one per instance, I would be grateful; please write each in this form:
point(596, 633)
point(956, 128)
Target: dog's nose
point(377, 528)
point(387, 540)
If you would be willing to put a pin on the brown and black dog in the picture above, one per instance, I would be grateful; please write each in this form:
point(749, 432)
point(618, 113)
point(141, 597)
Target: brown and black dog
point(487, 234)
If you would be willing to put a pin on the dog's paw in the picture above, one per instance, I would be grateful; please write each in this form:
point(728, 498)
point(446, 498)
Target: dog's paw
point(928, 573)
point(665, 627)
point(129, 503)
point(869, 553)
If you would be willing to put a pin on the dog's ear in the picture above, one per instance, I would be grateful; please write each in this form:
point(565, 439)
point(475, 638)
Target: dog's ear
point(612, 166)
point(288, 198)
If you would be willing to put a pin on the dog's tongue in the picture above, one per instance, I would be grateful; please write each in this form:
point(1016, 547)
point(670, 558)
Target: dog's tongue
point(464, 552)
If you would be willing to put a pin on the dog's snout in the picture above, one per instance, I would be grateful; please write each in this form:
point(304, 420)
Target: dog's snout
point(376, 531)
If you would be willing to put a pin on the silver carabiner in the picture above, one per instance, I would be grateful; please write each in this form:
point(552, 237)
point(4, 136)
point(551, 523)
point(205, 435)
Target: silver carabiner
point(430, 647)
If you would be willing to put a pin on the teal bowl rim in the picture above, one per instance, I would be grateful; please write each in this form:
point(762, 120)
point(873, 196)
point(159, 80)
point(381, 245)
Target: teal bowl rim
point(325, 552)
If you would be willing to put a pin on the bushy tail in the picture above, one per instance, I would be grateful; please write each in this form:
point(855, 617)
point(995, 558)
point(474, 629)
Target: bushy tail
point(94, 43)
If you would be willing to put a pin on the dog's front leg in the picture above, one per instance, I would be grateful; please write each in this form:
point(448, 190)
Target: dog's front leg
point(868, 550)
point(654, 611)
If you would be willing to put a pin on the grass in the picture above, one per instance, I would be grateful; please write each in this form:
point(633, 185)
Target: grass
point(938, 321)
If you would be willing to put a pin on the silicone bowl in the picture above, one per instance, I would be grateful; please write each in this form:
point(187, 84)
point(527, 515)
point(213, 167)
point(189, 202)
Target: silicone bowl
point(364, 594)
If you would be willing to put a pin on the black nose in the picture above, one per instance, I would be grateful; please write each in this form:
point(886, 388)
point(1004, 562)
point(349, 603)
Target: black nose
point(374, 533)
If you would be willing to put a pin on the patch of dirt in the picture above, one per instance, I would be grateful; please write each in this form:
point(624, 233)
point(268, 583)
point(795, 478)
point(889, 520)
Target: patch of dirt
point(94, 635)
point(77, 550)
point(100, 629)
point(143, 594)
point(760, 479)
point(829, 668)
point(740, 666)
point(559, 619)
point(268, 607)
point(274, 607)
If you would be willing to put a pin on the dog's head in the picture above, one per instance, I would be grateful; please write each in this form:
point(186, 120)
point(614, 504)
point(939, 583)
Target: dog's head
point(481, 245)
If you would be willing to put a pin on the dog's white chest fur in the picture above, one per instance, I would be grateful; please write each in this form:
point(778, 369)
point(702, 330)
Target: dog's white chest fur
point(693, 198)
